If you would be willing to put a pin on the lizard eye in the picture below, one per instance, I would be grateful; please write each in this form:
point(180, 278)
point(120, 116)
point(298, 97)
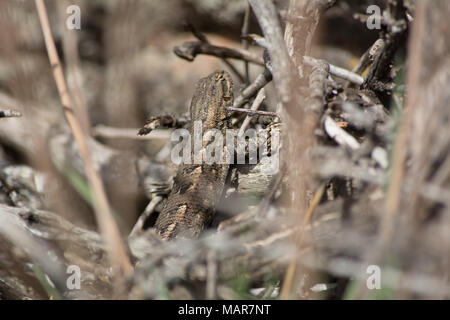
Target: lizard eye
point(226, 98)
point(220, 76)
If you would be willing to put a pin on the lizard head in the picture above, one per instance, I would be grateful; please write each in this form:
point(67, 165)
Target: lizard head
point(213, 94)
point(226, 83)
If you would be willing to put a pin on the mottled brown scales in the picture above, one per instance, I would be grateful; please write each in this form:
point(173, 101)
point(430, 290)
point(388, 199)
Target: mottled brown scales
point(198, 187)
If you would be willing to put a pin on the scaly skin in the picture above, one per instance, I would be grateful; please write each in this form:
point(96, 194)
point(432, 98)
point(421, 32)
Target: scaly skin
point(198, 187)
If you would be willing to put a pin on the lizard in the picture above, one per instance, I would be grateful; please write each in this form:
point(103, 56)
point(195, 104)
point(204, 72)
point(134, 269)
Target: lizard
point(197, 188)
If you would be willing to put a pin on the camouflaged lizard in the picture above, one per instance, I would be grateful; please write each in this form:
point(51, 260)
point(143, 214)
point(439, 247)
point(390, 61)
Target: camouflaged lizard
point(198, 187)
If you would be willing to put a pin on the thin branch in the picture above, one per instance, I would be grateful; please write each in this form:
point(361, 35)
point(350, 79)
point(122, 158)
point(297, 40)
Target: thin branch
point(261, 80)
point(128, 133)
point(256, 39)
point(144, 216)
point(163, 121)
point(107, 225)
point(368, 57)
point(254, 112)
point(244, 41)
point(340, 135)
point(256, 104)
point(72, 60)
point(299, 236)
point(333, 70)
point(267, 16)
point(394, 36)
point(189, 50)
point(337, 71)
point(202, 37)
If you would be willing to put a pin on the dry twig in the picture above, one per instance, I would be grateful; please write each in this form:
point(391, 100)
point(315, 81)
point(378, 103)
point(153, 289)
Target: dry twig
point(108, 227)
